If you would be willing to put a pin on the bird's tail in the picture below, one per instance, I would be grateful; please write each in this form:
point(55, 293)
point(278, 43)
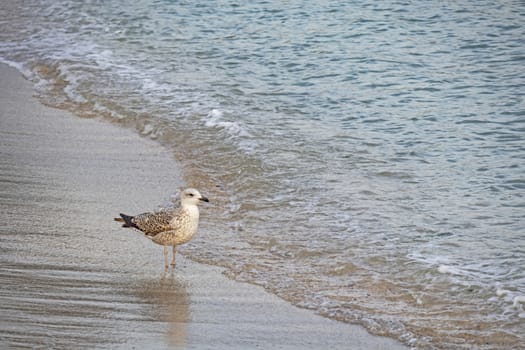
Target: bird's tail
point(127, 220)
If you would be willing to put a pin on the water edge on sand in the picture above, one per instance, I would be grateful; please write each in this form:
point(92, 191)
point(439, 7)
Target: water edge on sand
point(71, 277)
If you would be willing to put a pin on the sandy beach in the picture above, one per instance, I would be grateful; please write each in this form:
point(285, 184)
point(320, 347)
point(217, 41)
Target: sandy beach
point(73, 278)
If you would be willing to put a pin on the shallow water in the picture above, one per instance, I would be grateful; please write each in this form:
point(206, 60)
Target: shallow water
point(367, 158)
point(72, 278)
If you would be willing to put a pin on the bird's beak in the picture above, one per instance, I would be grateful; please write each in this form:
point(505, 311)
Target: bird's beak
point(204, 199)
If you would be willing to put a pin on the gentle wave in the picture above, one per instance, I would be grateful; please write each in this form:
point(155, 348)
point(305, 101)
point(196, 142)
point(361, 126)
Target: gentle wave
point(367, 160)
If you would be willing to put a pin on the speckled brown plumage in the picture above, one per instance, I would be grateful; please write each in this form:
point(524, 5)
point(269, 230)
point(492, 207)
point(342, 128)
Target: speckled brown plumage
point(153, 223)
point(169, 227)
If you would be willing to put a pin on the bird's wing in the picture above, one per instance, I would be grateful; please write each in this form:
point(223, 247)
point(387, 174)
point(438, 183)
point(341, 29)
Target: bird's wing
point(153, 223)
point(179, 219)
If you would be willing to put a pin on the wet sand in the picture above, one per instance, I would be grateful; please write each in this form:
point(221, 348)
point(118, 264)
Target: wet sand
point(72, 278)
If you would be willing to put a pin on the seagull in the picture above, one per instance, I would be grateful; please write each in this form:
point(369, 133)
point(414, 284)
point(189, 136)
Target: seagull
point(169, 227)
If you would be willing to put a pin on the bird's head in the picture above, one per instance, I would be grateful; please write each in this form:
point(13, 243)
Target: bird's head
point(191, 196)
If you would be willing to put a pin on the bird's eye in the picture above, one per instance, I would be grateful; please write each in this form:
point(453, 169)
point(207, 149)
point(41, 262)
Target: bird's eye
point(190, 194)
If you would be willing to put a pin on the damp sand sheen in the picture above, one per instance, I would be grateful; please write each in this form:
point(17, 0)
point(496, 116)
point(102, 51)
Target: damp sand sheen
point(71, 278)
point(364, 159)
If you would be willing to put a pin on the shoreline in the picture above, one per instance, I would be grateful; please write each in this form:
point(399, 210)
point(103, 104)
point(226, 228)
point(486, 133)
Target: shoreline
point(73, 278)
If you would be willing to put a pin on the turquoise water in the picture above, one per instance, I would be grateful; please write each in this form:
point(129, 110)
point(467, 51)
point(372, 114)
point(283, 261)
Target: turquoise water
point(366, 159)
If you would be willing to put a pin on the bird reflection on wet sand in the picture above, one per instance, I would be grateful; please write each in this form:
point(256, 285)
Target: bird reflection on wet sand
point(169, 300)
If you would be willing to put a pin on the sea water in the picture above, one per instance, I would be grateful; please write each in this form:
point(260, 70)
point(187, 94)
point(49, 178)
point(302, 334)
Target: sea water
point(366, 159)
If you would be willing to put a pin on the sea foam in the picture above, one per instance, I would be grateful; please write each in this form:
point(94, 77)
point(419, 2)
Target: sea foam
point(449, 270)
point(215, 118)
point(235, 131)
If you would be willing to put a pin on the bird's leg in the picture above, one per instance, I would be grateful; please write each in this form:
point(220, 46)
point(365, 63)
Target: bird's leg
point(173, 263)
point(166, 257)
